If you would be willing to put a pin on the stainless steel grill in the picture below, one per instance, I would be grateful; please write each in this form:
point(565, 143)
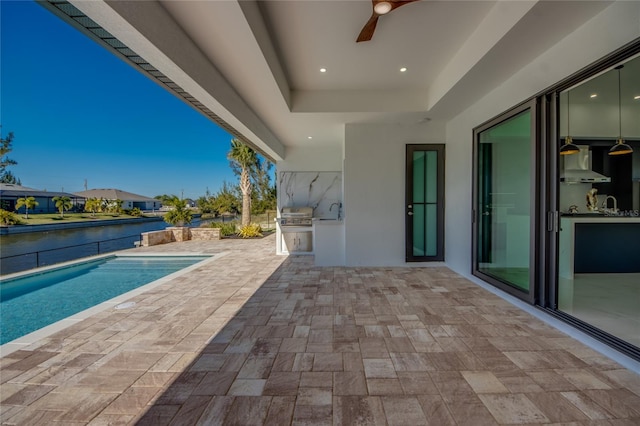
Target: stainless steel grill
point(296, 216)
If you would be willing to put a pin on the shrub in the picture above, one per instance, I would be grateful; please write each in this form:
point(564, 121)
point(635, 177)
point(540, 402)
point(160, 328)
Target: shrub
point(226, 229)
point(250, 231)
point(135, 212)
point(180, 214)
point(8, 218)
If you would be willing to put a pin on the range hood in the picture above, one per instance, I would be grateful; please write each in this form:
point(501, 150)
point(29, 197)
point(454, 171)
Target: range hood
point(577, 168)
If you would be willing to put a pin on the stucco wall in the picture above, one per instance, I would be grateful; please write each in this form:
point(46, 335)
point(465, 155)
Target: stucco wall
point(616, 26)
point(312, 159)
point(374, 189)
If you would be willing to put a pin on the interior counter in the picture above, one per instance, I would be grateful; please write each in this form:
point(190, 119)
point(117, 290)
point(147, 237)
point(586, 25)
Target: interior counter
point(599, 244)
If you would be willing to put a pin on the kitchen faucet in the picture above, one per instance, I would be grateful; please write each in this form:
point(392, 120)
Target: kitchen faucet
point(615, 204)
point(338, 205)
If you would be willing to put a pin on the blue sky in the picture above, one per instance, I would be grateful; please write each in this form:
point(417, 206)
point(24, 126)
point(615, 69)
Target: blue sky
point(79, 112)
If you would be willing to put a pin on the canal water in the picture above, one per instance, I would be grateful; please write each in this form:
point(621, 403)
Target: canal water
point(20, 252)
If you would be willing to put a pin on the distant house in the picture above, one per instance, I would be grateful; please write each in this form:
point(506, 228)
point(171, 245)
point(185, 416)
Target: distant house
point(129, 200)
point(9, 194)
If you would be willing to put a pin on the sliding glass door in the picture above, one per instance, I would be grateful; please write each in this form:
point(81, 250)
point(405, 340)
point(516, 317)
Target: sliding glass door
point(504, 196)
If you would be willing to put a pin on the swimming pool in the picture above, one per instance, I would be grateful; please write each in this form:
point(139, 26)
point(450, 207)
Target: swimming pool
point(37, 300)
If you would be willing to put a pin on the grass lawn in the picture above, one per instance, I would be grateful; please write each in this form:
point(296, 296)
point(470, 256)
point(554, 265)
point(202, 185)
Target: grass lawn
point(50, 218)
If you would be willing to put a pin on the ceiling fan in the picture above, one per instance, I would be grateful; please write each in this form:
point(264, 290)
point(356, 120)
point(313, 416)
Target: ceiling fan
point(380, 7)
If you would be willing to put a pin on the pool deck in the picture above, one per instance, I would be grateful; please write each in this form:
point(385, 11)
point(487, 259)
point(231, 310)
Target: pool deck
point(253, 338)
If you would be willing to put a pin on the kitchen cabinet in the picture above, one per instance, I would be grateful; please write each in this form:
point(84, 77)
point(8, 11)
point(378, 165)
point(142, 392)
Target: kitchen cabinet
point(294, 239)
point(595, 111)
point(328, 242)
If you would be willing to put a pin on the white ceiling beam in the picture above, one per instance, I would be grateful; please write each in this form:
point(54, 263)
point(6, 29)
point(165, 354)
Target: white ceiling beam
point(255, 20)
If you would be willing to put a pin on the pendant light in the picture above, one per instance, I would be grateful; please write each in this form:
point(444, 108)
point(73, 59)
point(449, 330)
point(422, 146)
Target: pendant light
point(569, 147)
point(620, 148)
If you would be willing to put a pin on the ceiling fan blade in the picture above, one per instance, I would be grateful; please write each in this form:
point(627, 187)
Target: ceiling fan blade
point(367, 31)
point(396, 4)
point(369, 28)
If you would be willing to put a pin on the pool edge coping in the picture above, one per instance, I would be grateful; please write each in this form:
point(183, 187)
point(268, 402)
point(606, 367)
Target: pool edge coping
point(29, 339)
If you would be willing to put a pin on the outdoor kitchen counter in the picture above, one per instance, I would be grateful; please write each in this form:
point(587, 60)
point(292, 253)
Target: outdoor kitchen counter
point(598, 244)
point(294, 239)
point(328, 242)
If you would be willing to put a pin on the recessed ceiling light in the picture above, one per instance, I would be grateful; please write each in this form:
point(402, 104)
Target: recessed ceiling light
point(323, 70)
point(593, 95)
point(403, 69)
point(309, 137)
point(636, 97)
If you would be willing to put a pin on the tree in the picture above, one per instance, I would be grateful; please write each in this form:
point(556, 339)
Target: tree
point(227, 199)
point(244, 162)
point(264, 192)
point(28, 203)
point(104, 205)
point(62, 203)
point(115, 206)
point(8, 177)
point(205, 203)
point(93, 205)
point(165, 199)
point(179, 214)
point(5, 148)
point(8, 218)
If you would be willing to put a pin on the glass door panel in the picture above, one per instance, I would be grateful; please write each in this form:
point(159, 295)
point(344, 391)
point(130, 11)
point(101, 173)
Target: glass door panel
point(503, 210)
point(425, 203)
point(598, 273)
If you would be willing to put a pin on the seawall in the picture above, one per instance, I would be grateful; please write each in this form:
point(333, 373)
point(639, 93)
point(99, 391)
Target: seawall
point(23, 229)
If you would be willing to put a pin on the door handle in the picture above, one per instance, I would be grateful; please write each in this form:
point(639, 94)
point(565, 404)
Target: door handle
point(410, 213)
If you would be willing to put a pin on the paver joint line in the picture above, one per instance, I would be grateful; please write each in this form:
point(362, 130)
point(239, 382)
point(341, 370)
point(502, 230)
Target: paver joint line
point(255, 338)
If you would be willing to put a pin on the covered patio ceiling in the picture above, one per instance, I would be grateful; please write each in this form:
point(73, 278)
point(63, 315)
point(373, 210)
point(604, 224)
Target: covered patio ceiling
point(256, 64)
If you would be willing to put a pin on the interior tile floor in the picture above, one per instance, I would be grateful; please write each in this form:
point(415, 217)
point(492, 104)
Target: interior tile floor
point(608, 301)
point(254, 338)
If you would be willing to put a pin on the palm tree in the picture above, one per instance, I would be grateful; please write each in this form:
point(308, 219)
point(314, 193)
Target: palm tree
point(28, 203)
point(244, 161)
point(93, 205)
point(180, 214)
point(62, 203)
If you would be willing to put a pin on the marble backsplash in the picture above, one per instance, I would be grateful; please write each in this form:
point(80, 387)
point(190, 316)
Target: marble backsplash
point(320, 190)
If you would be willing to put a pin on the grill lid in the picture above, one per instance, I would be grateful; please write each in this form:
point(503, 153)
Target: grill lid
point(297, 212)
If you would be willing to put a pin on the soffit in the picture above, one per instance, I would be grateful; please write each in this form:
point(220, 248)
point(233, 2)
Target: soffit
point(269, 53)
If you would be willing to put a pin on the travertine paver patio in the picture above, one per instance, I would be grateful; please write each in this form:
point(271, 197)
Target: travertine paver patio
point(254, 338)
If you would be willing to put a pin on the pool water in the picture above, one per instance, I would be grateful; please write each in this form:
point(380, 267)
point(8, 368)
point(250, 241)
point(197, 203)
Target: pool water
point(35, 301)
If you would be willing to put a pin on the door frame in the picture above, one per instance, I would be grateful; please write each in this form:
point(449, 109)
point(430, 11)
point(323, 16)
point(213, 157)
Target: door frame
point(410, 149)
point(530, 296)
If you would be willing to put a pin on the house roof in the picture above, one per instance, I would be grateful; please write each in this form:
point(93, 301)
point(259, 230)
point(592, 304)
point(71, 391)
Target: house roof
point(255, 65)
point(114, 194)
point(12, 190)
